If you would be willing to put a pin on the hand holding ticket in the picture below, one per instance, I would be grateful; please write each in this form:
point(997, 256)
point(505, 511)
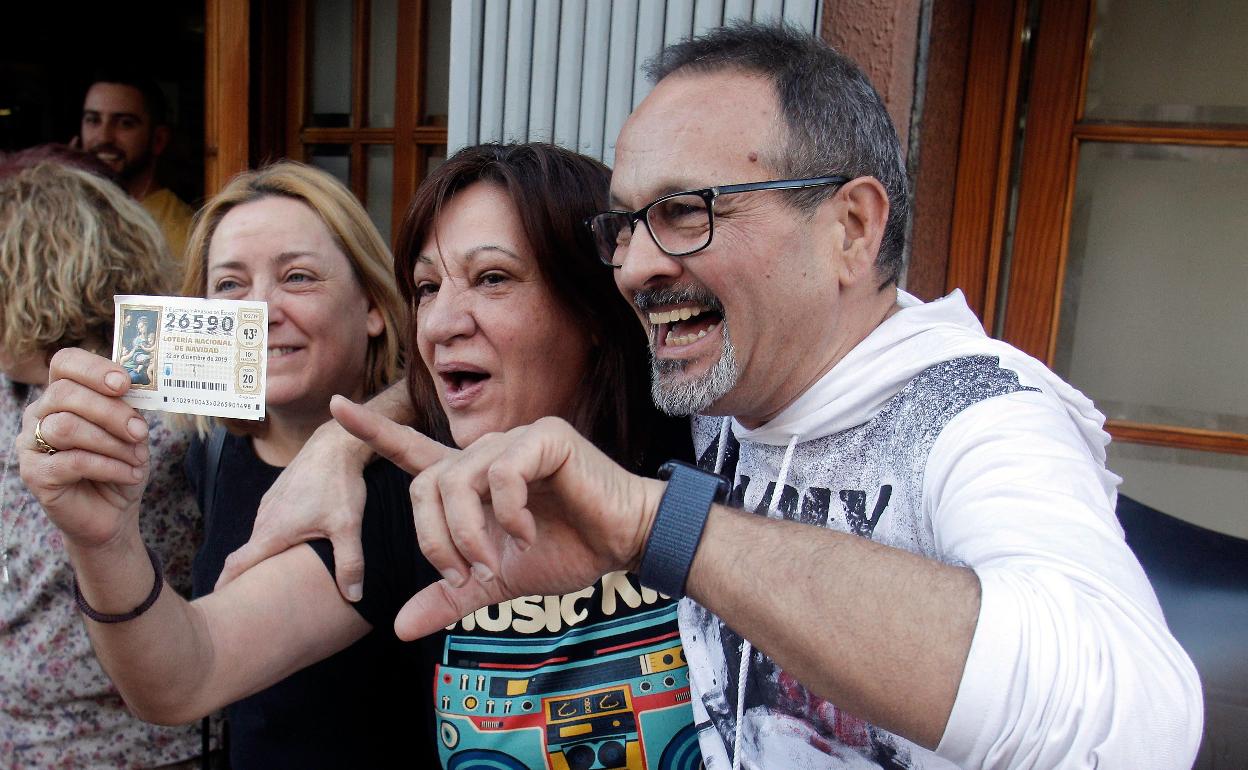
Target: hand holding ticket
point(194, 356)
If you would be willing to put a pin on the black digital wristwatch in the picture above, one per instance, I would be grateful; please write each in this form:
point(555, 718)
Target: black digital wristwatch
point(678, 525)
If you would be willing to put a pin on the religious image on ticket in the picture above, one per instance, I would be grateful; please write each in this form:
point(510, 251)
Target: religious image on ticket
point(194, 356)
point(140, 339)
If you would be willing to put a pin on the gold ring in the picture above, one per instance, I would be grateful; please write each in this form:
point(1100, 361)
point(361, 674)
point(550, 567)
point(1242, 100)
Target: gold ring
point(40, 444)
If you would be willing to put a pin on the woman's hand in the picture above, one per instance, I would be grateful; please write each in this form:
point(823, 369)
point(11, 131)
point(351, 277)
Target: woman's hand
point(92, 485)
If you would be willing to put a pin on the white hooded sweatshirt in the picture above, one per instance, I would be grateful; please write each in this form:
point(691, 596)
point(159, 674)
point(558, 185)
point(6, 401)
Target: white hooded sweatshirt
point(932, 437)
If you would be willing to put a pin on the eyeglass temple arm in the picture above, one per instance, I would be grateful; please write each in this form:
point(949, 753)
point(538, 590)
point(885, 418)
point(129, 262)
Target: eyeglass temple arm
point(780, 184)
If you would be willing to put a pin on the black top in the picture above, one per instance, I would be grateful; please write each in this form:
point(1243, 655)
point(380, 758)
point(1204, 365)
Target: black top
point(352, 709)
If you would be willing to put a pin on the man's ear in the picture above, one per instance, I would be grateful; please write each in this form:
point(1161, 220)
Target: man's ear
point(864, 215)
point(160, 140)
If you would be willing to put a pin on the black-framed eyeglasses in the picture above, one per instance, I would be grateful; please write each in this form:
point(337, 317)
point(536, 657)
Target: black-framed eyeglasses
point(681, 223)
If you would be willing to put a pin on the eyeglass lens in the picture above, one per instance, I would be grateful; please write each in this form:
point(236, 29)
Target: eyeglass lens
point(680, 225)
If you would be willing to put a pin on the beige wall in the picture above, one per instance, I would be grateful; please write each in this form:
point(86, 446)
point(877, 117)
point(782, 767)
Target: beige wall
point(882, 37)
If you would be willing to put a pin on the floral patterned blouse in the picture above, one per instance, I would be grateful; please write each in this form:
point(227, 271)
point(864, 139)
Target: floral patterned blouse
point(57, 707)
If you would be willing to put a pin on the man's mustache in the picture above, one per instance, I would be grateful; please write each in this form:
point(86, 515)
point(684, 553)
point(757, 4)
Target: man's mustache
point(645, 299)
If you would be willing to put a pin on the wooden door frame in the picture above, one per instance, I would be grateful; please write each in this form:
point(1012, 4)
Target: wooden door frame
point(1046, 185)
point(982, 186)
point(227, 69)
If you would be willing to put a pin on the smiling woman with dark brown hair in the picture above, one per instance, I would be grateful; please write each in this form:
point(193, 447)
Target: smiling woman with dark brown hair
point(539, 191)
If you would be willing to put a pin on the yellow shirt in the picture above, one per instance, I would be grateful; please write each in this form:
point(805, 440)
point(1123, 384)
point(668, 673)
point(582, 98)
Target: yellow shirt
point(174, 218)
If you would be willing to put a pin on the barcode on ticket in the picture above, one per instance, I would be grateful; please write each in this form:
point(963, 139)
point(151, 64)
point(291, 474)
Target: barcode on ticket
point(197, 384)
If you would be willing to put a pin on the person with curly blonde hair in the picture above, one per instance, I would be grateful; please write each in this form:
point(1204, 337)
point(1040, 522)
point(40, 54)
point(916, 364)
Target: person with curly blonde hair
point(69, 241)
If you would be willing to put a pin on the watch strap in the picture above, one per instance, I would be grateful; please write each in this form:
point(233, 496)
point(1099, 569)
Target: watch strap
point(678, 526)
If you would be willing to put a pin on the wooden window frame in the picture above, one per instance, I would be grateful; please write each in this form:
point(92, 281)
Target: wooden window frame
point(412, 141)
point(1045, 195)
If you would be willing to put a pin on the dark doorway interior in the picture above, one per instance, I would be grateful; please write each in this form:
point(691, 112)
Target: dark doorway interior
point(51, 49)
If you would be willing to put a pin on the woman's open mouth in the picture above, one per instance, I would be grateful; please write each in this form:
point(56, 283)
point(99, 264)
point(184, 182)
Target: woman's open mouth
point(462, 386)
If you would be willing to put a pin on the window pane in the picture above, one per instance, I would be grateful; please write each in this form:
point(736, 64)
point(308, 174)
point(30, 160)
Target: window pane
point(434, 157)
point(1204, 488)
point(437, 63)
point(379, 198)
point(382, 43)
point(1181, 62)
point(334, 158)
point(330, 59)
point(1153, 312)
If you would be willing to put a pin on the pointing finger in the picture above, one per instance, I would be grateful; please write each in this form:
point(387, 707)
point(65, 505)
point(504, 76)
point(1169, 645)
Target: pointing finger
point(409, 449)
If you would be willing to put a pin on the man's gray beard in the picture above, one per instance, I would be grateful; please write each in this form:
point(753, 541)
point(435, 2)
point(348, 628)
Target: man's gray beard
point(687, 396)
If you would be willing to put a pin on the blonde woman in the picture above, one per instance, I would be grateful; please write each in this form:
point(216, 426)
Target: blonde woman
point(293, 236)
point(69, 241)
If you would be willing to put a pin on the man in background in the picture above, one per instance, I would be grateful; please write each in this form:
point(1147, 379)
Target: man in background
point(125, 125)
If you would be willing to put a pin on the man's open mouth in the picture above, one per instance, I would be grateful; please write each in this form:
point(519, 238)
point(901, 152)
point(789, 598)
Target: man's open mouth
point(108, 154)
point(685, 325)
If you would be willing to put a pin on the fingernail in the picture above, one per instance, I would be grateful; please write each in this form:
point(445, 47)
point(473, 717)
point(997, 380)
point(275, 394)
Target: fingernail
point(523, 544)
point(355, 592)
point(114, 380)
point(137, 472)
point(482, 572)
point(454, 577)
point(141, 453)
point(137, 428)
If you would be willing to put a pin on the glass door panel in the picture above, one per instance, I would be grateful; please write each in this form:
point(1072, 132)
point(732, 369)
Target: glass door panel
point(437, 63)
point(334, 158)
point(1169, 62)
point(329, 60)
point(382, 55)
point(1207, 488)
point(379, 198)
point(1153, 316)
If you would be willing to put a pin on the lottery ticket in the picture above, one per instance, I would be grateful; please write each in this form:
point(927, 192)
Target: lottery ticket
point(194, 356)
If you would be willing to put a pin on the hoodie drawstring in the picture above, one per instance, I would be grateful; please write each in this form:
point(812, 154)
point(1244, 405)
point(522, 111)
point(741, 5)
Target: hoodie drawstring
point(724, 426)
point(747, 649)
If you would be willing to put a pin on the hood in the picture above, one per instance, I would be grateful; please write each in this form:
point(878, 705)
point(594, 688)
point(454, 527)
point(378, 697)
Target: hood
point(911, 340)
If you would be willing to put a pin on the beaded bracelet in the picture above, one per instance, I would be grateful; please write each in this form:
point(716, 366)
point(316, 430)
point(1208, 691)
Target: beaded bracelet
point(100, 617)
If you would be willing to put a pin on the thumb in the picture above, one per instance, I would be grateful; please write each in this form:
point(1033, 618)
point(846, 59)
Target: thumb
point(438, 605)
point(256, 550)
point(349, 565)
